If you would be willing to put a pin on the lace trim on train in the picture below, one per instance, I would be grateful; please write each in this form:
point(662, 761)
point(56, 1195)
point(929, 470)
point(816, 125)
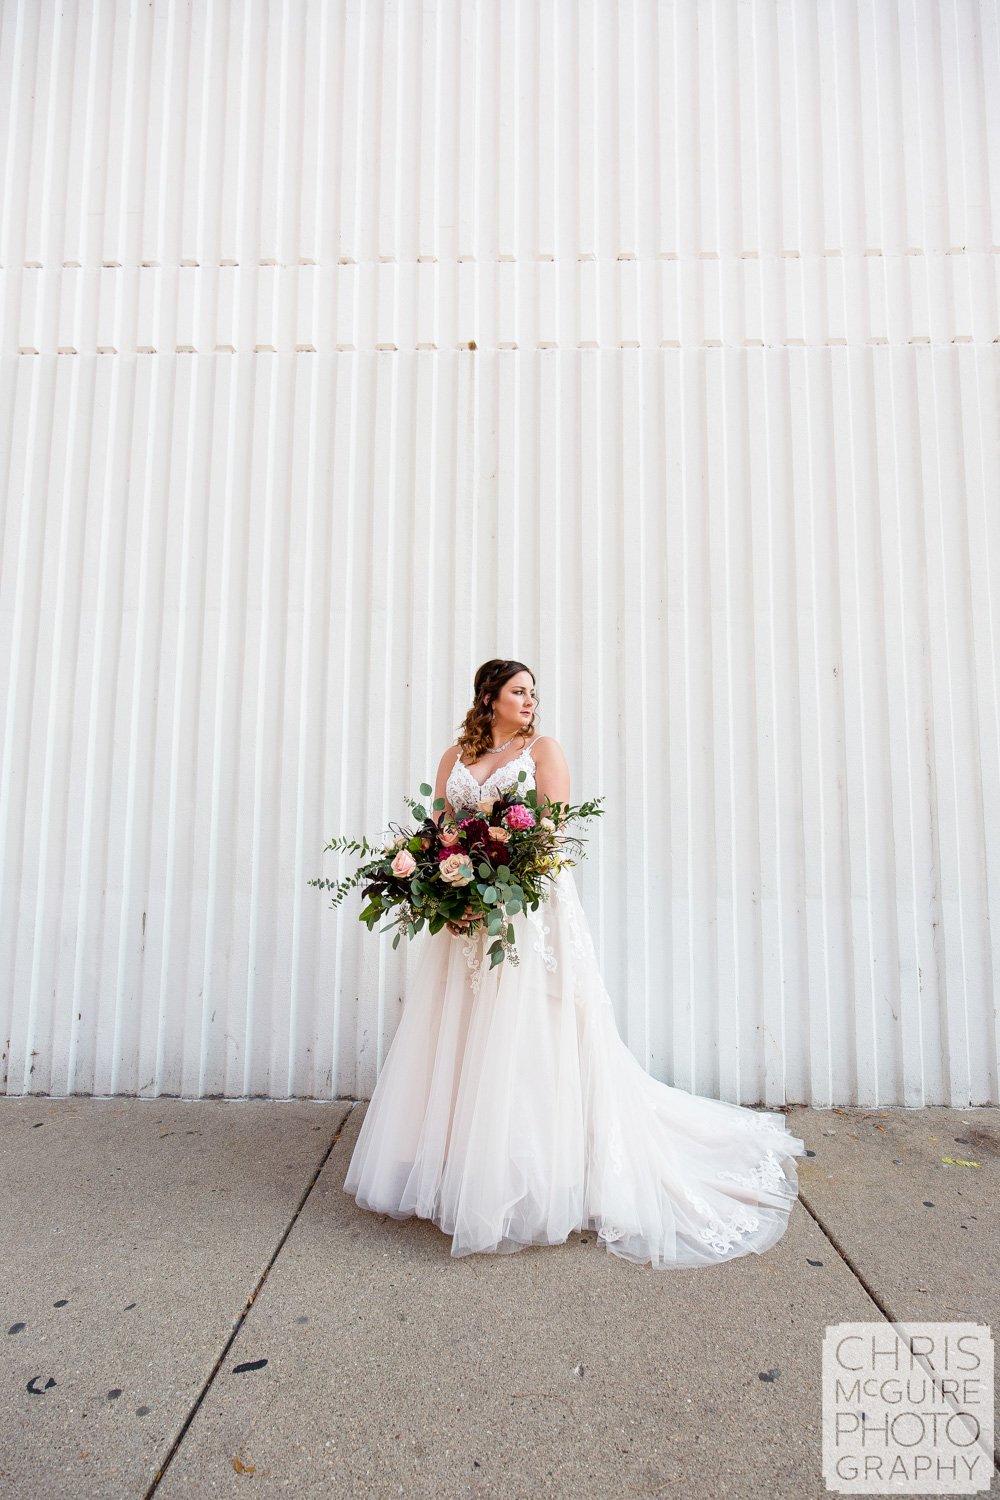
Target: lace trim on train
point(722, 1234)
point(718, 1233)
point(608, 1231)
point(768, 1175)
point(473, 957)
point(761, 1125)
point(542, 928)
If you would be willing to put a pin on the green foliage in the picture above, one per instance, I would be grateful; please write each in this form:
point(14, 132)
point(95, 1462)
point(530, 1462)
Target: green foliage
point(502, 890)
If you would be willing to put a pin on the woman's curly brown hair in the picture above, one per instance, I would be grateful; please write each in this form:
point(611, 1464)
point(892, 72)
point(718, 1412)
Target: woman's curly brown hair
point(475, 736)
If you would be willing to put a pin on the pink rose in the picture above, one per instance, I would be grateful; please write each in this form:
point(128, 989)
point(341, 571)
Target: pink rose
point(404, 864)
point(519, 816)
point(450, 837)
point(499, 835)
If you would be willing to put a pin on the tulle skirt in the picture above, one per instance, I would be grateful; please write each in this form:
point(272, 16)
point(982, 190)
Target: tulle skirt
point(510, 1112)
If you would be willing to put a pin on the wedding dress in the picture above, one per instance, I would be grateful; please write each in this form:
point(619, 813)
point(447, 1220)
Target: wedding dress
point(509, 1111)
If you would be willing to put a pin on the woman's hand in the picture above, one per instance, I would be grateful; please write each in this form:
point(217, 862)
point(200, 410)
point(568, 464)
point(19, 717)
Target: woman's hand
point(458, 925)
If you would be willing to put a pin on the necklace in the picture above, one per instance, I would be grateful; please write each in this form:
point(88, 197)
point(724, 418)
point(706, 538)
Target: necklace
point(495, 749)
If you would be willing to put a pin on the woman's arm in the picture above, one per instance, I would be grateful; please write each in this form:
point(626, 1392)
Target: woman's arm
point(445, 765)
point(444, 770)
point(551, 771)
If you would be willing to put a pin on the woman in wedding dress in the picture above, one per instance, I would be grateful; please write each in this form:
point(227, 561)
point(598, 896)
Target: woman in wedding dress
point(510, 1112)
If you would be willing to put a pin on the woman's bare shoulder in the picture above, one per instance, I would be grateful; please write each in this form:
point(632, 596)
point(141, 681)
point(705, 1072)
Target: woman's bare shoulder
point(449, 758)
point(547, 745)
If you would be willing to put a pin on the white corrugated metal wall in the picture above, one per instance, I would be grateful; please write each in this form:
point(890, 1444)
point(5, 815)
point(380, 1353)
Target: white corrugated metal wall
point(344, 345)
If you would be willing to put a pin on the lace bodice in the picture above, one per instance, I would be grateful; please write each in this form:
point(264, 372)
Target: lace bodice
point(463, 790)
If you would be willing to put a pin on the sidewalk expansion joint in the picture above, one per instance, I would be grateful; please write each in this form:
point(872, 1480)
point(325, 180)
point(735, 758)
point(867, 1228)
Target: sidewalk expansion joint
point(238, 1324)
point(838, 1248)
point(933, 1376)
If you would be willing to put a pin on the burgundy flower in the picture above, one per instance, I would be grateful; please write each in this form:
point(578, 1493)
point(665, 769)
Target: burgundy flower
point(476, 830)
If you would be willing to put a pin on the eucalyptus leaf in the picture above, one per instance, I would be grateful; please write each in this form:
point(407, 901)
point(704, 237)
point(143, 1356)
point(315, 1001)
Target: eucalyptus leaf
point(424, 789)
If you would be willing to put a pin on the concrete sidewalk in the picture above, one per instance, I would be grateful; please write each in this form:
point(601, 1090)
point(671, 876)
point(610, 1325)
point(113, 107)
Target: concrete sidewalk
point(193, 1306)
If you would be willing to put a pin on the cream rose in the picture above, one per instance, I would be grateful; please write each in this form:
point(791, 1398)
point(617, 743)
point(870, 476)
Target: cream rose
point(548, 825)
point(456, 869)
point(500, 835)
point(487, 804)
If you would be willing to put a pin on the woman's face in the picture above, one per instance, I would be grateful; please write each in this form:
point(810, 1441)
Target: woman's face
point(515, 702)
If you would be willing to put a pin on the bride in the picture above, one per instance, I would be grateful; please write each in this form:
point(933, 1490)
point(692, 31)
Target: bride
point(508, 1109)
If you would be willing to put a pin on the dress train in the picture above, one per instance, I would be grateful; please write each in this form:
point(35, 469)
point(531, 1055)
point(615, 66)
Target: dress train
point(510, 1112)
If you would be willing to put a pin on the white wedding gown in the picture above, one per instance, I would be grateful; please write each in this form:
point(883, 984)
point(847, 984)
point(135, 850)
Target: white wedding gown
point(510, 1112)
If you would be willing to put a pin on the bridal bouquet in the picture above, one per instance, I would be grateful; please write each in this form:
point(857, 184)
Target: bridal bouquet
point(472, 872)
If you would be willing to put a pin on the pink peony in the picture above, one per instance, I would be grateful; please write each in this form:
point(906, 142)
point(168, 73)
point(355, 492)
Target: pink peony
point(404, 864)
point(519, 817)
